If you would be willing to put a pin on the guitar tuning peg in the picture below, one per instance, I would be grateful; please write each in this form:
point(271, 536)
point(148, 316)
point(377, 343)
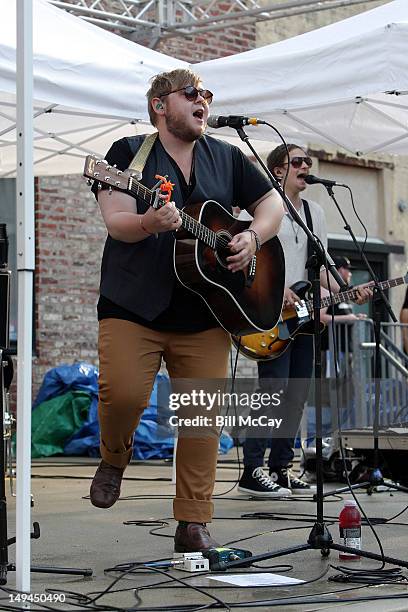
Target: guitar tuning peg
point(110, 190)
point(89, 182)
point(99, 186)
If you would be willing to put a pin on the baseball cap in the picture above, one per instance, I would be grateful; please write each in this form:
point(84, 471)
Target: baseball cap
point(341, 262)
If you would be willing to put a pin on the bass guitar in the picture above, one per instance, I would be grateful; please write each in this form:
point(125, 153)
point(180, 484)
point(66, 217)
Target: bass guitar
point(271, 344)
point(243, 302)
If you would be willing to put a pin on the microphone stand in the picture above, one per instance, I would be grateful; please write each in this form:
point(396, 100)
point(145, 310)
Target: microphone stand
point(375, 477)
point(319, 537)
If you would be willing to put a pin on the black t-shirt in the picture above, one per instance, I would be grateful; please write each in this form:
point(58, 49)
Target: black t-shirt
point(187, 311)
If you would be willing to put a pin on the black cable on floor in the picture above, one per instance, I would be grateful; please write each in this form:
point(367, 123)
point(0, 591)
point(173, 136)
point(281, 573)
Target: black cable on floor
point(391, 575)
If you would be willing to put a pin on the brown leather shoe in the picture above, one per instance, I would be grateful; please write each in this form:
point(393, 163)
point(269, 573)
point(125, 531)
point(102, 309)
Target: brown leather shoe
point(192, 538)
point(105, 487)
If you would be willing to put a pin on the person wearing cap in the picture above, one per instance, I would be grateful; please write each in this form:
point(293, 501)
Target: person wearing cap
point(339, 313)
point(343, 311)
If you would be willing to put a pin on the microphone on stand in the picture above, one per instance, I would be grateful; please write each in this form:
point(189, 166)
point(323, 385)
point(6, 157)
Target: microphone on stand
point(314, 180)
point(233, 121)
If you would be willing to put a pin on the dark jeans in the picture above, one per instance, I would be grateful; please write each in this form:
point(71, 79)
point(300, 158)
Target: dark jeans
point(296, 363)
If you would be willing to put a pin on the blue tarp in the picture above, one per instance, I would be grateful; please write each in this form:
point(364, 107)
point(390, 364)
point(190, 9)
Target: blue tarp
point(152, 439)
point(76, 377)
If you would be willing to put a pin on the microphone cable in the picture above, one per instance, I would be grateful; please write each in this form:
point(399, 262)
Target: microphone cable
point(383, 575)
point(275, 129)
point(359, 218)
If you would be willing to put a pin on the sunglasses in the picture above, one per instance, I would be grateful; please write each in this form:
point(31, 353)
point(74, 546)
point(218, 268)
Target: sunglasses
point(192, 93)
point(297, 162)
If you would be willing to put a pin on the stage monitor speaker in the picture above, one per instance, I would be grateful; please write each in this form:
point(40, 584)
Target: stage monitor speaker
point(393, 449)
point(392, 438)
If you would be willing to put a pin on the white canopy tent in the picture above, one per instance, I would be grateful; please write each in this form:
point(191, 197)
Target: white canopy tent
point(344, 84)
point(324, 86)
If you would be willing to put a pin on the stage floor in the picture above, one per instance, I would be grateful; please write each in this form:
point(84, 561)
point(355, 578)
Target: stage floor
point(75, 534)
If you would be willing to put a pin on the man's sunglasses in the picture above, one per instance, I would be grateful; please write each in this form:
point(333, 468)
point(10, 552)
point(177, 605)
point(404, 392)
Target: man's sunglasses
point(192, 93)
point(297, 162)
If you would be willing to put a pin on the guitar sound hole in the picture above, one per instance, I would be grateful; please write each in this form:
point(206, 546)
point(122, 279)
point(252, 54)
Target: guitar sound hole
point(221, 249)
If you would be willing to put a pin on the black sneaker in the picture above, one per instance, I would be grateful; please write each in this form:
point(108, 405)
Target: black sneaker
point(258, 483)
point(284, 477)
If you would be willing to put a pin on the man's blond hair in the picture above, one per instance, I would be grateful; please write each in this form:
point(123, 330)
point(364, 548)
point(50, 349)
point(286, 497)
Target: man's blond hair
point(169, 81)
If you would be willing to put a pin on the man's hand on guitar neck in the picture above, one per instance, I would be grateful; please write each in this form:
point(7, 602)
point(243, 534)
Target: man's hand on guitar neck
point(364, 293)
point(290, 298)
point(164, 219)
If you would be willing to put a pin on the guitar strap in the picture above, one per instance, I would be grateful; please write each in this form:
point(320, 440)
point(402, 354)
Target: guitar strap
point(139, 161)
point(309, 223)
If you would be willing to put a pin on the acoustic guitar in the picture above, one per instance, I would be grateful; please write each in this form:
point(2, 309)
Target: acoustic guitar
point(273, 343)
point(243, 302)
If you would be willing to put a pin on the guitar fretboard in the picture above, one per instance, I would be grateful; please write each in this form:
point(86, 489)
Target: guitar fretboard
point(200, 231)
point(351, 294)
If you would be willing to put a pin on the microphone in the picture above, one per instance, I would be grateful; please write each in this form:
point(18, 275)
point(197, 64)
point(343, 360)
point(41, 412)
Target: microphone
point(233, 121)
point(314, 180)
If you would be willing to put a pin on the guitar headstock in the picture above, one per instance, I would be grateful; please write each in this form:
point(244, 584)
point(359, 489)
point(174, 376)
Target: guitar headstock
point(99, 170)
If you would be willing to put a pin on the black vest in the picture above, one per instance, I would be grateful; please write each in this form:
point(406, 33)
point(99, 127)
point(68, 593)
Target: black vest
point(140, 276)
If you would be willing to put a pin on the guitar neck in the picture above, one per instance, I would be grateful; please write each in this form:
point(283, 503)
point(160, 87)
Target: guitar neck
point(351, 294)
point(102, 172)
point(190, 224)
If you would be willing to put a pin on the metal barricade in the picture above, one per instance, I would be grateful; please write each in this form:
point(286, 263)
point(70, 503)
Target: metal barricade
point(355, 344)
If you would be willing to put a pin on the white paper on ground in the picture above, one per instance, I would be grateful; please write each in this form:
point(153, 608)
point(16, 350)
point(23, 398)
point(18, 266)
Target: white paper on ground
point(256, 579)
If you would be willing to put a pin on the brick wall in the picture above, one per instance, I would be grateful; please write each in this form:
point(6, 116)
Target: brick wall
point(211, 45)
point(69, 239)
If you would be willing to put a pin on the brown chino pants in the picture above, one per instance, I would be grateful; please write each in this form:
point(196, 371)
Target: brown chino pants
point(129, 359)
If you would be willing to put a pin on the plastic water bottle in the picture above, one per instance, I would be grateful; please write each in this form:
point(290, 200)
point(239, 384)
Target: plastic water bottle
point(350, 529)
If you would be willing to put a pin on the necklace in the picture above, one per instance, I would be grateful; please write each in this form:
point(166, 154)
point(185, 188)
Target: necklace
point(293, 223)
point(295, 231)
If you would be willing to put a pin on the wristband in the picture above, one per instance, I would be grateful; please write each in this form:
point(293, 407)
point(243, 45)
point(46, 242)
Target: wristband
point(256, 238)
